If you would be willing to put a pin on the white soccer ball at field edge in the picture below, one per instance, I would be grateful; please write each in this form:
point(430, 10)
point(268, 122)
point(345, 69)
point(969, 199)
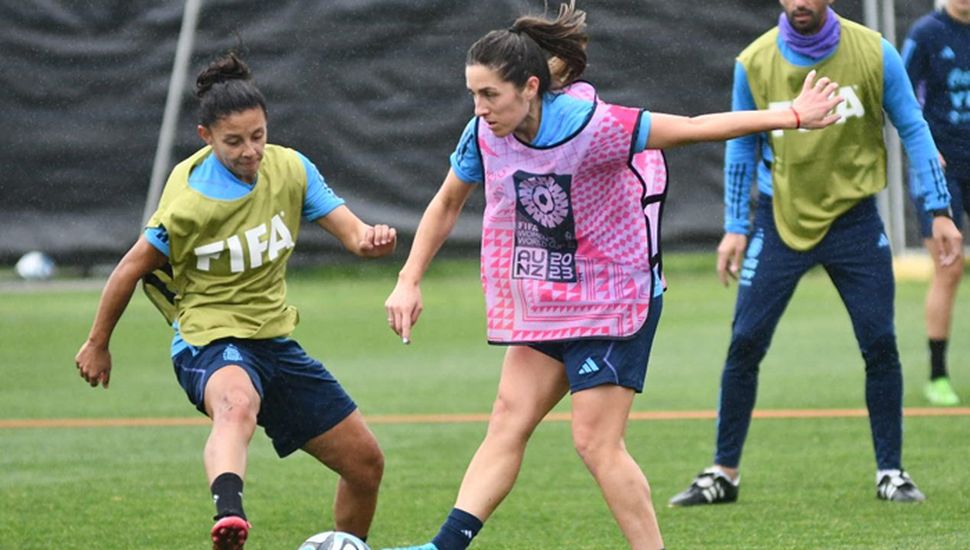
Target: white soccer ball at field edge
point(35, 266)
point(333, 540)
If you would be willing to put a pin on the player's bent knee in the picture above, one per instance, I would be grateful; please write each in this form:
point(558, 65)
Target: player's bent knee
point(351, 450)
point(594, 450)
point(230, 396)
point(365, 476)
point(236, 406)
point(882, 355)
point(509, 419)
point(746, 352)
point(370, 467)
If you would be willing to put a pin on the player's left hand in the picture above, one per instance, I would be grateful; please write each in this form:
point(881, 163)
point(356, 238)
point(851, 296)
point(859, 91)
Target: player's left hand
point(378, 240)
point(948, 240)
point(814, 105)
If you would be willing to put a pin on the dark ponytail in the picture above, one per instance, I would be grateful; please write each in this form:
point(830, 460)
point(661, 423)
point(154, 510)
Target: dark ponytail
point(226, 87)
point(554, 51)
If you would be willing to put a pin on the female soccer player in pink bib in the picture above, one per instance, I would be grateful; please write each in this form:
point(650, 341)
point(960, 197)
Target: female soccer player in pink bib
point(570, 264)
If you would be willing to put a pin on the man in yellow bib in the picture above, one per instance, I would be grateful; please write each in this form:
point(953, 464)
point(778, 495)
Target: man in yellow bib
point(226, 225)
point(816, 207)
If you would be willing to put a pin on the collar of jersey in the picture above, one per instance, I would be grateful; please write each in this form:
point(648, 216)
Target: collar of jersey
point(213, 180)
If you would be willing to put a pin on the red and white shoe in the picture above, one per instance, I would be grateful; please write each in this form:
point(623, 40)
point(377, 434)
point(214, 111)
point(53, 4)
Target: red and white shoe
point(229, 533)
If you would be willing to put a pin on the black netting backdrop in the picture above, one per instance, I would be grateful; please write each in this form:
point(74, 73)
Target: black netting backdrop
point(371, 90)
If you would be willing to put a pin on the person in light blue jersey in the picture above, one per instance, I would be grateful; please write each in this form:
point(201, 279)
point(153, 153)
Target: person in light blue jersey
point(225, 227)
point(816, 206)
point(571, 257)
point(937, 58)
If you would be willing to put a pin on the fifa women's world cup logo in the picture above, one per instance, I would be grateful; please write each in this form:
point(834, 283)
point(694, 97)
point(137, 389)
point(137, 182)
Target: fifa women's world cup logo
point(544, 200)
point(545, 232)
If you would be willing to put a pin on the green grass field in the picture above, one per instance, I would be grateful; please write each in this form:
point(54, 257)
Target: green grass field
point(807, 483)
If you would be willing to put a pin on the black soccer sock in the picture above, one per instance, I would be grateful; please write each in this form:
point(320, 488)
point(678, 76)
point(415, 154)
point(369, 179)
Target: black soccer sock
point(937, 359)
point(458, 531)
point(227, 493)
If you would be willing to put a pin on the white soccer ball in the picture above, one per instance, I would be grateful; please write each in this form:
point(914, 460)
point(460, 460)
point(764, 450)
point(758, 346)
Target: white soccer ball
point(35, 266)
point(333, 540)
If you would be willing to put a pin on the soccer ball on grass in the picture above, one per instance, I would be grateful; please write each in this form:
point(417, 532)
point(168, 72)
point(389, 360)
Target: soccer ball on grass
point(333, 540)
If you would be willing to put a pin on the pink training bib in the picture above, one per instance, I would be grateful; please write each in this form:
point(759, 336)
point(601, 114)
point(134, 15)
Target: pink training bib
point(571, 232)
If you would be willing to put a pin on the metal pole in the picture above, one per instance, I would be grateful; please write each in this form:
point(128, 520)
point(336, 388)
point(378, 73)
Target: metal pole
point(880, 15)
point(871, 14)
point(894, 152)
point(870, 11)
point(173, 105)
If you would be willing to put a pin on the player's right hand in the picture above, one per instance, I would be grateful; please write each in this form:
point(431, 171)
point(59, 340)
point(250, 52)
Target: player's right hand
point(729, 255)
point(94, 364)
point(403, 308)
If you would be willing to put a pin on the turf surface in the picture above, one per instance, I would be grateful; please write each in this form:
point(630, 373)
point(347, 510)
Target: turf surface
point(808, 483)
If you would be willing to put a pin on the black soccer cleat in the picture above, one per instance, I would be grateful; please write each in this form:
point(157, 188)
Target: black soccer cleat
point(712, 486)
point(897, 486)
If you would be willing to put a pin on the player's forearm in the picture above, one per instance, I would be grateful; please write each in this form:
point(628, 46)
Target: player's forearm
point(672, 131)
point(905, 113)
point(140, 260)
point(737, 193)
point(723, 126)
point(114, 299)
point(436, 224)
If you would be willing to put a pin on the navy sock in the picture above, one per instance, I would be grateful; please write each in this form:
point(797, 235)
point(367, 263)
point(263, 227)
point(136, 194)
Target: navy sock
point(457, 531)
point(227, 492)
point(937, 359)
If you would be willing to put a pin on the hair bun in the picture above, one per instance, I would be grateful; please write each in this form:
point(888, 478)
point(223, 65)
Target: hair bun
point(223, 69)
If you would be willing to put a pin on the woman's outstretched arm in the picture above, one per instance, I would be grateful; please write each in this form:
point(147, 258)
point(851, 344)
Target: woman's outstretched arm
point(811, 109)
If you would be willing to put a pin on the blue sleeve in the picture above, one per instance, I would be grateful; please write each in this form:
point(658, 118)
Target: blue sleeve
point(643, 133)
point(466, 161)
point(915, 61)
point(158, 237)
point(320, 199)
point(904, 111)
point(915, 55)
point(740, 160)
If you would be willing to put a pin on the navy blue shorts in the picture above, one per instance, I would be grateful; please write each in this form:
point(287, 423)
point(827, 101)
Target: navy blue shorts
point(596, 362)
point(959, 203)
point(300, 398)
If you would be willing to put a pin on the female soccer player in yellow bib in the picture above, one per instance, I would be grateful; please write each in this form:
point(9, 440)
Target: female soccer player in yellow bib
point(226, 224)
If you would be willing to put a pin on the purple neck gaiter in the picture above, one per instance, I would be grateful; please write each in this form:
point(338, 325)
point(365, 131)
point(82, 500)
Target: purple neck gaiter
point(815, 46)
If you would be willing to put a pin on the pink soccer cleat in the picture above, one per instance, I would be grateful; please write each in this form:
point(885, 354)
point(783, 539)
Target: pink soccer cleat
point(229, 533)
